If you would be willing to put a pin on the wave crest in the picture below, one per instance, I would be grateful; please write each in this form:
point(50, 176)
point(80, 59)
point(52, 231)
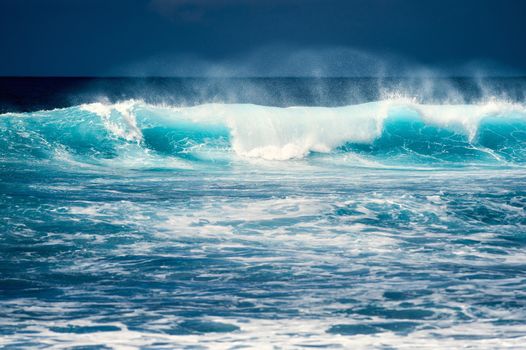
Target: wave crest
point(389, 129)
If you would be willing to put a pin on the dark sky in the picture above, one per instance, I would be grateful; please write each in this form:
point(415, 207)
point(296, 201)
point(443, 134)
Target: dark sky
point(261, 37)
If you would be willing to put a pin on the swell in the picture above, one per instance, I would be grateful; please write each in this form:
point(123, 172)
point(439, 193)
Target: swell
point(395, 131)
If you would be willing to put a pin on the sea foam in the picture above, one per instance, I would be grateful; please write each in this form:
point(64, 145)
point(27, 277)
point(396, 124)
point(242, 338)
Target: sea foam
point(385, 128)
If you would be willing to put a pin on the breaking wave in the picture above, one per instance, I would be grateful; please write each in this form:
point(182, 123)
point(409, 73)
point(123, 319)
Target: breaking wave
point(389, 131)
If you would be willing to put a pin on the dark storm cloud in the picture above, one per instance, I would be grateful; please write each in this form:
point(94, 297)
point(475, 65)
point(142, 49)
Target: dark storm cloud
point(195, 10)
point(189, 9)
point(101, 37)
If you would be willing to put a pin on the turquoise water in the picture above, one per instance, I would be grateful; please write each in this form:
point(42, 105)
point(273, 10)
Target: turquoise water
point(388, 224)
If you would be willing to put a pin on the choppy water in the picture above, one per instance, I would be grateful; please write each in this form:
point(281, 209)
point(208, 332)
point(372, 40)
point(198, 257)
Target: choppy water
point(388, 224)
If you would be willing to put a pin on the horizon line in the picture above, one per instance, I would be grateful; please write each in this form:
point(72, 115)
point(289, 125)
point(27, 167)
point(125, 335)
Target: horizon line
point(254, 77)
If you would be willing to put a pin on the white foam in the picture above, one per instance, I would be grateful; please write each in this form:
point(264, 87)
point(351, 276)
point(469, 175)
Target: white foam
point(467, 117)
point(126, 127)
point(274, 133)
point(272, 334)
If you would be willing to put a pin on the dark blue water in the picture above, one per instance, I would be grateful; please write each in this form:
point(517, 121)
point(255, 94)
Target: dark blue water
point(389, 222)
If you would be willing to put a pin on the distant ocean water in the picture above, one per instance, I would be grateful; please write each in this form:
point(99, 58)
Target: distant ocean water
point(262, 213)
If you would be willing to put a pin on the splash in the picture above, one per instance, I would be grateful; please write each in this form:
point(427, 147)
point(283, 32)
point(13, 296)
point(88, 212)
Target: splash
point(389, 130)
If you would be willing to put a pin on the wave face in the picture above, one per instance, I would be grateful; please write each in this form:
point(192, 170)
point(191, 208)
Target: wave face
point(388, 132)
point(387, 224)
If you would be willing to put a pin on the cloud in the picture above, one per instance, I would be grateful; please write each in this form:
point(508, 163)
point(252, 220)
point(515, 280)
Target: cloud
point(194, 10)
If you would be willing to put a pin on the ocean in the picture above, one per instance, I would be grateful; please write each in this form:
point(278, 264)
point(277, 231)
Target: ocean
point(270, 213)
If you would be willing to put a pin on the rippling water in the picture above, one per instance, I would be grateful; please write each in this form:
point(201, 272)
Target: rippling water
point(391, 224)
